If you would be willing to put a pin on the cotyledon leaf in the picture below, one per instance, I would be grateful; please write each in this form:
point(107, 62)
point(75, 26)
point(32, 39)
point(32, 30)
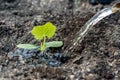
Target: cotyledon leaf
point(54, 44)
point(27, 46)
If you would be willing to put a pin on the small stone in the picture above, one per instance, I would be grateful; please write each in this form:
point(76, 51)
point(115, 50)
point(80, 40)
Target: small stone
point(53, 63)
point(21, 59)
point(0, 68)
point(91, 77)
point(115, 53)
point(10, 55)
point(72, 77)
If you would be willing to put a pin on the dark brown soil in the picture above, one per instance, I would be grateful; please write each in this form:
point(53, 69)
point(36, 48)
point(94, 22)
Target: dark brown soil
point(96, 58)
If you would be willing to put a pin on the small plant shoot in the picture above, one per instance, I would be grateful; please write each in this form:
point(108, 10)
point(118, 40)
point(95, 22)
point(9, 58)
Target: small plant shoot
point(42, 33)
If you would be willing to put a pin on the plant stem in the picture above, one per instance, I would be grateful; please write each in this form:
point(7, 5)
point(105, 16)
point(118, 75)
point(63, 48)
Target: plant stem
point(43, 47)
point(44, 42)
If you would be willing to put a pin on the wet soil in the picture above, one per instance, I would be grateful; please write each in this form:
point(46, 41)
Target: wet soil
point(96, 58)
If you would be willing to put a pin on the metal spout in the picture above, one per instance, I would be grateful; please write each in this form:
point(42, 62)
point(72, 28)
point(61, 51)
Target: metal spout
point(116, 7)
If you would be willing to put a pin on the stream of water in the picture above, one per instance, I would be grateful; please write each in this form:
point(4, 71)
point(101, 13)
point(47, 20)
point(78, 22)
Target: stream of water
point(89, 24)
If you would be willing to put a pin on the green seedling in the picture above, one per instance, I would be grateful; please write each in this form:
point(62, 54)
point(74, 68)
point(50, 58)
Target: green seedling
point(42, 33)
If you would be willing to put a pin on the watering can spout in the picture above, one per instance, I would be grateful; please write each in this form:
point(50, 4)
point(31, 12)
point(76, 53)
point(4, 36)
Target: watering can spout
point(116, 7)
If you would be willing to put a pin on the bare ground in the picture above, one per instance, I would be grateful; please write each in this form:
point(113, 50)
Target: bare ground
point(96, 58)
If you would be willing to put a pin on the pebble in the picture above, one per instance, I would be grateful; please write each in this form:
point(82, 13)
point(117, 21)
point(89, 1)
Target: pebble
point(72, 77)
point(10, 55)
point(0, 68)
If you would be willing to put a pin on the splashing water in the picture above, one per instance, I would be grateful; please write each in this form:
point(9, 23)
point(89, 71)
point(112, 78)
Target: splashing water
point(85, 29)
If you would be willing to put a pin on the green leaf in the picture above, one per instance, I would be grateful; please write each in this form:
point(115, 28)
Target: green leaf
point(54, 44)
point(47, 30)
point(50, 29)
point(38, 32)
point(27, 46)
